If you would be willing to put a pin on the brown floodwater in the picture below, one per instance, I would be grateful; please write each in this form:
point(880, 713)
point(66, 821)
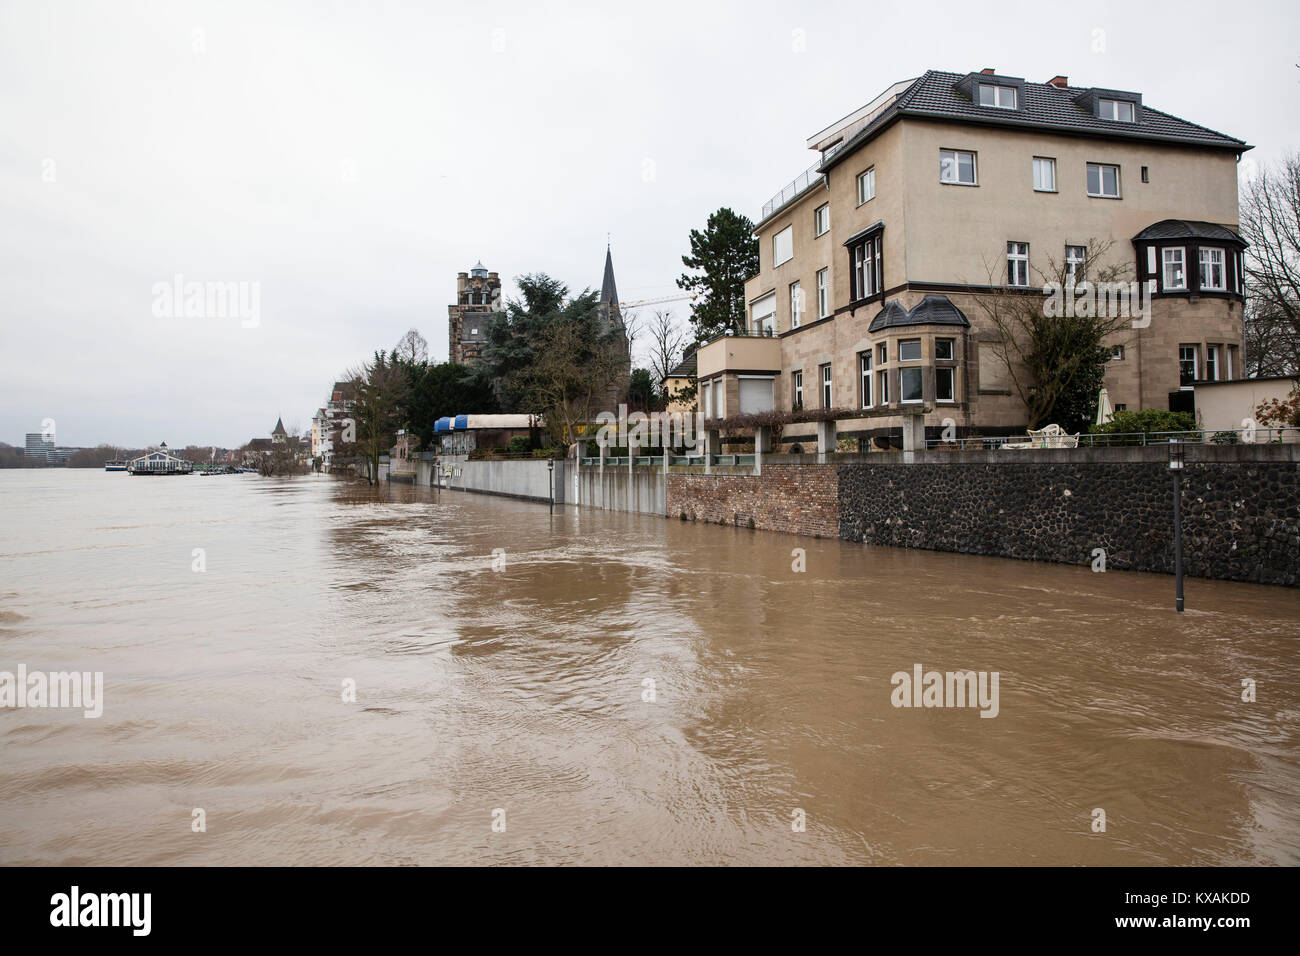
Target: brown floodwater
point(522, 695)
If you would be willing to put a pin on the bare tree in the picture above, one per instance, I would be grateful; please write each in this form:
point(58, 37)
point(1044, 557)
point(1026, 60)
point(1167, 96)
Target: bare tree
point(666, 341)
point(1270, 222)
point(411, 348)
point(571, 378)
point(1055, 362)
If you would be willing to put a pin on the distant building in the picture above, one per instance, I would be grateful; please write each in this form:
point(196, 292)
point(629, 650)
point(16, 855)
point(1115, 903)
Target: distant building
point(478, 299)
point(38, 447)
point(464, 433)
point(278, 434)
point(678, 379)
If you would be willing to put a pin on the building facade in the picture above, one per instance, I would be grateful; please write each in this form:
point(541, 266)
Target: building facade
point(876, 265)
point(478, 298)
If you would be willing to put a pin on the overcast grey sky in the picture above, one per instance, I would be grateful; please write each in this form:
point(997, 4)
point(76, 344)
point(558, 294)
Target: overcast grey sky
point(351, 156)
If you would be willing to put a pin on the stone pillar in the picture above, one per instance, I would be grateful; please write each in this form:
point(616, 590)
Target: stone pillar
point(762, 446)
point(825, 440)
point(913, 435)
point(712, 446)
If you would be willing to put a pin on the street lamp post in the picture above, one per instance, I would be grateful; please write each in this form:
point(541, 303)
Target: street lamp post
point(1176, 462)
point(550, 479)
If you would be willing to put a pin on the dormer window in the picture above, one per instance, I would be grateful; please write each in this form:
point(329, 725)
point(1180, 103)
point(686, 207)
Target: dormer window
point(1124, 111)
point(996, 95)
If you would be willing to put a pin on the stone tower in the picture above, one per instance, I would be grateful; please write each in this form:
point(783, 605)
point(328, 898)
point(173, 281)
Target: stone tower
point(613, 318)
point(478, 298)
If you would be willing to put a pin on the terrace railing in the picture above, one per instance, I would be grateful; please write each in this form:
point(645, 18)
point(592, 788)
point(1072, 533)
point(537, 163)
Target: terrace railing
point(801, 183)
point(1261, 436)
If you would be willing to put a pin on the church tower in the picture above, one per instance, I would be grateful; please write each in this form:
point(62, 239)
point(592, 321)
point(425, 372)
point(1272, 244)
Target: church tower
point(478, 299)
point(612, 317)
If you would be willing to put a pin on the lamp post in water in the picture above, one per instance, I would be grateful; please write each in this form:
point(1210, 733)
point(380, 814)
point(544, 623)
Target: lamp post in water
point(550, 479)
point(1176, 461)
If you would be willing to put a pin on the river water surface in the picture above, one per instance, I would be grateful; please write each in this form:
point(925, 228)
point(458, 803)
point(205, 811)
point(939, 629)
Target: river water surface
point(625, 689)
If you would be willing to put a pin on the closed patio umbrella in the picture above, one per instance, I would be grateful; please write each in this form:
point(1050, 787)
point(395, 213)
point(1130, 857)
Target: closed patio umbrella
point(1104, 409)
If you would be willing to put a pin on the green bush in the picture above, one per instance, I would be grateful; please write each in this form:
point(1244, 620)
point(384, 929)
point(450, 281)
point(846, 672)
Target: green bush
point(519, 445)
point(1147, 420)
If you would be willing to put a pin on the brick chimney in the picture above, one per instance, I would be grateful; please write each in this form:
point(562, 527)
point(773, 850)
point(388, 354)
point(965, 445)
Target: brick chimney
point(988, 71)
point(1062, 81)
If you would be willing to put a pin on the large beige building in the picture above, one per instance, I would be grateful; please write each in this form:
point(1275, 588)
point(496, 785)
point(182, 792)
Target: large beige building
point(873, 262)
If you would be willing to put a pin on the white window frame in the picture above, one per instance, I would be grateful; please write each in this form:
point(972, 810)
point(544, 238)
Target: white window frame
point(1117, 354)
point(866, 185)
point(1016, 260)
point(901, 373)
point(788, 233)
point(865, 376)
point(1222, 265)
point(823, 293)
point(1049, 164)
point(760, 320)
point(796, 305)
point(1196, 366)
point(1212, 363)
point(1108, 108)
point(1076, 266)
point(999, 89)
point(1166, 261)
point(916, 342)
point(827, 386)
point(953, 163)
point(882, 386)
point(822, 223)
point(952, 350)
point(1101, 181)
point(798, 388)
point(951, 372)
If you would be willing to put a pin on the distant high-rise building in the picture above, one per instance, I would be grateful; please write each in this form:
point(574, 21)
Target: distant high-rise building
point(478, 299)
point(38, 446)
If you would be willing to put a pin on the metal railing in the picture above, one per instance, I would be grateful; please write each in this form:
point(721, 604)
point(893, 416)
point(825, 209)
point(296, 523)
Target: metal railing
point(800, 184)
point(1260, 436)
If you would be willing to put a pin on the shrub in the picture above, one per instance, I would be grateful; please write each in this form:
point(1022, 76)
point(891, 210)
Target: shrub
point(519, 445)
point(1147, 420)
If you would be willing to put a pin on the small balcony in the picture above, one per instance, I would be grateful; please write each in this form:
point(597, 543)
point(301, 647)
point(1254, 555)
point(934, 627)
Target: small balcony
point(739, 353)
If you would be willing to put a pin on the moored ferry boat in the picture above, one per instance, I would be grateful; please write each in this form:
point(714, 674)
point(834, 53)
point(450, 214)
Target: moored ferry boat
point(160, 462)
point(117, 464)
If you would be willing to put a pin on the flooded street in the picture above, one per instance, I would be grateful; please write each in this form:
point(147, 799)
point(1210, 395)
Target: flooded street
point(620, 689)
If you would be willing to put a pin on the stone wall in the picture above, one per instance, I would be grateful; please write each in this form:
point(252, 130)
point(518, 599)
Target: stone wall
point(796, 498)
point(1241, 509)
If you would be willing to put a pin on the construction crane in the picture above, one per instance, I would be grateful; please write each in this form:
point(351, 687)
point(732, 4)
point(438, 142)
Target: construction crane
point(693, 296)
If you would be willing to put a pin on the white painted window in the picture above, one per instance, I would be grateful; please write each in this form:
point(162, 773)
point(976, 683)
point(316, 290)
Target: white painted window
point(796, 305)
point(1174, 268)
point(823, 293)
point(1044, 174)
point(706, 399)
point(994, 94)
point(957, 166)
point(1212, 273)
point(1103, 181)
point(822, 219)
point(867, 185)
point(1212, 362)
point(1187, 365)
point(1123, 110)
point(1076, 258)
point(1118, 354)
point(763, 315)
point(1018, 263)
point(798, 390)
point(783, 246)
point(943, 350)
point(909, 350)
point(826, 386)
point(864, 367)
point(909, 385)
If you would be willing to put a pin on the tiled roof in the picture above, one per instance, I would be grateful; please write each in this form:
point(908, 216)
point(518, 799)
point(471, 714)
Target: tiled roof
point(936, 95)
point(932, 310)
point(685, 368)
point(1189, 229)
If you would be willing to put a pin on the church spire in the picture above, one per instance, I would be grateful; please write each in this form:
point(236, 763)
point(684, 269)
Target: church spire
point(608, 300)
